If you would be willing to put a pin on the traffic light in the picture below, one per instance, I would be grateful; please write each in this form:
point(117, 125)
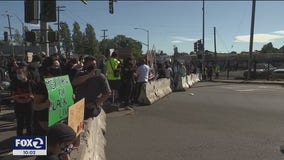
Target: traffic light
point(200, 45)
point(31, 11)
point(48, 10)
point(52, 36)
point(85, 1)
point(5, 36)
point(111, 6)
point(195, 46)
point(30, 36)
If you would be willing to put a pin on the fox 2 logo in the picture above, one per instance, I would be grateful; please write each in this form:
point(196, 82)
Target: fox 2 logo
point(30, 142)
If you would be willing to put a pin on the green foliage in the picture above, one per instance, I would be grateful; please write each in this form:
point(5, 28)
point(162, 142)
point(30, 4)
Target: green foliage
point(66, 37)
point(268, 48)
point(18, 38)
point(121, 41)
point(281, 49)
point(90, 43)
point(77, 38)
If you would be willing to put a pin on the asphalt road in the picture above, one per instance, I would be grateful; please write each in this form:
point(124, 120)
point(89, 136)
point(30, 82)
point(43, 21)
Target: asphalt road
point(211, 121)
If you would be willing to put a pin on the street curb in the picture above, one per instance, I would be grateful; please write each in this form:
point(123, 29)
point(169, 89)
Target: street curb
point(251, 82)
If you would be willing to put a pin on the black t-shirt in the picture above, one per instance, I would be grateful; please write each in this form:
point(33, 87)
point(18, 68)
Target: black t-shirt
point(40, 88)
point(90, 90)
point(127, 72)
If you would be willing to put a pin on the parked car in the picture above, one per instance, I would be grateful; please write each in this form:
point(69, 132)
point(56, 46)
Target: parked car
point(278, 74)
point(263, 71)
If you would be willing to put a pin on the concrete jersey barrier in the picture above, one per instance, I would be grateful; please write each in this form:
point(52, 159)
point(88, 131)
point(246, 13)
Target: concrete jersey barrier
point(186, 82)
point(92, 140)
point(155, 90)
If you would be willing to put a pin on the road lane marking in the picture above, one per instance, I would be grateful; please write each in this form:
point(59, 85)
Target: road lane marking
point(246, 90)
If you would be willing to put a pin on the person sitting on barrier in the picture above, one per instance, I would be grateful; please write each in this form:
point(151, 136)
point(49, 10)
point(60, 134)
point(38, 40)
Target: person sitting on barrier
point(61, 140)
point(142, 72)
point(91, 85)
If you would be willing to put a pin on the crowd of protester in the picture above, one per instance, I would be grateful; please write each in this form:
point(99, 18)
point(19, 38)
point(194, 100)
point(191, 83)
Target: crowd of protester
point(98, 80)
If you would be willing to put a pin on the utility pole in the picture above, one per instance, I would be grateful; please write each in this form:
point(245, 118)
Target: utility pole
point(23, 32)
point(251, 39)
point(10, 32)
point(58, 26)
point(203, 28)
point(203, 41)
point(215, 51)
point(104, 36)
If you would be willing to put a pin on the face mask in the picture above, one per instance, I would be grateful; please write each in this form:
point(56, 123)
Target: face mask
point(90, 68)
point(55, 71)
point(21, 77)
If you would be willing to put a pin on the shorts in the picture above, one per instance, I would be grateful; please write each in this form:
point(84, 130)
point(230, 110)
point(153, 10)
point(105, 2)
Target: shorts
point(114, 84)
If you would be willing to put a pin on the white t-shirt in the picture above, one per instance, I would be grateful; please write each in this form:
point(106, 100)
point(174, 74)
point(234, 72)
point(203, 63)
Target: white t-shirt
point(143, 73)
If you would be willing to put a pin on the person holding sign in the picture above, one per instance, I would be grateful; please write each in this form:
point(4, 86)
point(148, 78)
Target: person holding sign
point(50, 68)
point(91, 85)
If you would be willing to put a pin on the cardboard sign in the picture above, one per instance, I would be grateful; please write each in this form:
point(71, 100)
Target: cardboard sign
point(76, 116)
point(60, 94)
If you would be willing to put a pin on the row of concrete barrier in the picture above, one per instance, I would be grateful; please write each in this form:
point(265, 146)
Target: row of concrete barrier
point(93, 142)
point(155, 90)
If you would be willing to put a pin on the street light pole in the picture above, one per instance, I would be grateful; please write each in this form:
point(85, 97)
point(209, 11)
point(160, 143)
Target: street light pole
point(147, 36)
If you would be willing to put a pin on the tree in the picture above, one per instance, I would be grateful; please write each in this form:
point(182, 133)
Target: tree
point(281, 49)
point(175, 50)
point(105, 45)
point(77, 38)
point(121, 41)
point(268, 48)
point(18, 38)
point(65, 36)
point(90, 43)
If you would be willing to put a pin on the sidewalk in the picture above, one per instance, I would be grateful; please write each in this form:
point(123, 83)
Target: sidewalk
point(8, 129)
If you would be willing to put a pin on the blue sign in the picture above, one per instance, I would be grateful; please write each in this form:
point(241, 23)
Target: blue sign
point(30, 145)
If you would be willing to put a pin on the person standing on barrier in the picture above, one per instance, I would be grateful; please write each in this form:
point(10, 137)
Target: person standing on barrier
point(91, 85)
point(142, 72)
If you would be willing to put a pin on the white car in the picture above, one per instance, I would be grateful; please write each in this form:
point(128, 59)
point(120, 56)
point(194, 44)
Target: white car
point(278, 74)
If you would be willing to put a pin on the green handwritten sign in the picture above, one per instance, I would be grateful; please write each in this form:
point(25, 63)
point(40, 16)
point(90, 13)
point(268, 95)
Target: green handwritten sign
point(60, 94)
